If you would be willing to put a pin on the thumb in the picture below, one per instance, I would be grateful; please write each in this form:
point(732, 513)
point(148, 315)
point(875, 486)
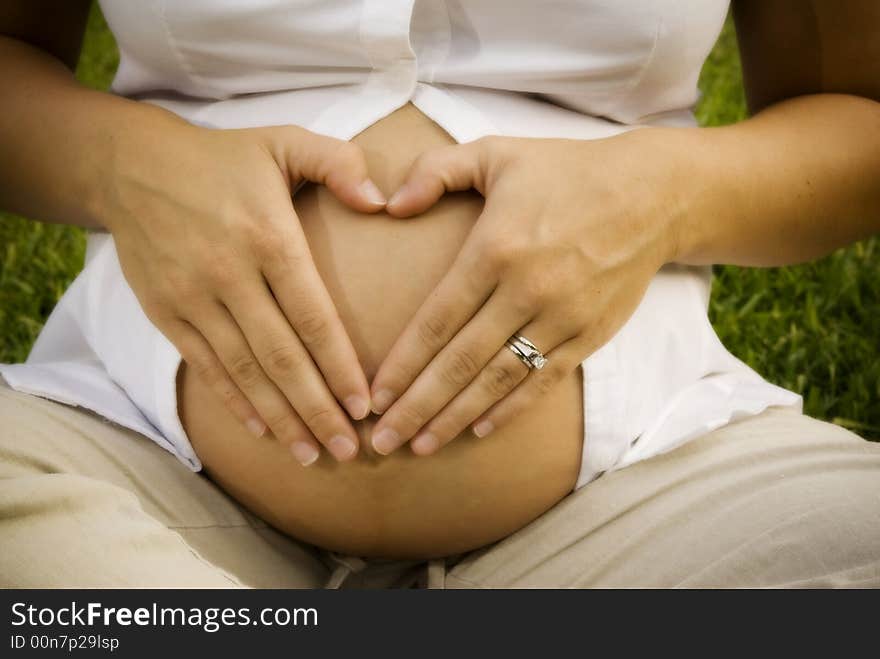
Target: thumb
point(337, 164)
point(437, 171)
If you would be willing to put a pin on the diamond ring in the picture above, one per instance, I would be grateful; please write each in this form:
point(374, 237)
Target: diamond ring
point(527, 352)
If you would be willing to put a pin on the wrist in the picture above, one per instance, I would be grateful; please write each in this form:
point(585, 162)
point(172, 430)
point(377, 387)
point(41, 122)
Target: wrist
point(695, 198)
point(128, 150)
point(662, 185)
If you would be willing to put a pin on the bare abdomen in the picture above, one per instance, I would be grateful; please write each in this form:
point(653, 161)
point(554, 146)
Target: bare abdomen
point(379, 270)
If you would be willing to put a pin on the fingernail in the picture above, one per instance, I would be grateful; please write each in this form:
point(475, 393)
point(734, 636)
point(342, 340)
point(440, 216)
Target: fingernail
point(371, 193)
point(357, 407)
point(382, 401)
point(425, 444)
point(483, 428)
point(304, 453)
point(386, 440)
point(256, 427)
point(342, 447)
point(397, 196)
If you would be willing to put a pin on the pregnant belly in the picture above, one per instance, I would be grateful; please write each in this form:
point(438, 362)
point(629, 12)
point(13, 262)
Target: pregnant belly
point(379, 270)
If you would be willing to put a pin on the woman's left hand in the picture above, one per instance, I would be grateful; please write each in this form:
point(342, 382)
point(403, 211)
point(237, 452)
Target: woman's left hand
point(571, 234)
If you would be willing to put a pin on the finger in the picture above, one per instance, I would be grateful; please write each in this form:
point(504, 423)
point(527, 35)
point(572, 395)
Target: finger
point(501, 376)
point(286, 361)
point(438, 171)
point(337, 164)
point(560, 363)
point(299, 291)
point(230, 346)
point(458, 296)
point(199, 356)
point(459, 362)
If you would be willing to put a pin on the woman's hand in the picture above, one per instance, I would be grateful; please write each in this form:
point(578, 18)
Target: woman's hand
point(570, 236)
point(209, 241)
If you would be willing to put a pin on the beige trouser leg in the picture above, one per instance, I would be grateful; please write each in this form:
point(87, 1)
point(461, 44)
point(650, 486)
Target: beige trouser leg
point(85, 503)
point(776, 500)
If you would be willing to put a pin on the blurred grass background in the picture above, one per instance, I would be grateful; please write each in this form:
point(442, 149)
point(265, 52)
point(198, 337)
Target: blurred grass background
point(814, 329)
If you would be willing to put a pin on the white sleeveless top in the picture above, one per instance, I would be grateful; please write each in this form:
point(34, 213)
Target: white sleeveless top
point(582, 69)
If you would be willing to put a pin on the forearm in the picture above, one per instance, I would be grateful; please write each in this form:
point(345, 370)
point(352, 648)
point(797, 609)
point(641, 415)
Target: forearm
point(60, 141)
point(791, 184)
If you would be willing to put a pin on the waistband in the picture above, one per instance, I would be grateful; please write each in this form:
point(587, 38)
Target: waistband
point(357, 572)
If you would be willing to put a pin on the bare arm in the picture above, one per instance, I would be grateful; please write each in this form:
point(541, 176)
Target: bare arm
point(57, 137)
point(573, 231)
point(802, 176)
point(232, 285)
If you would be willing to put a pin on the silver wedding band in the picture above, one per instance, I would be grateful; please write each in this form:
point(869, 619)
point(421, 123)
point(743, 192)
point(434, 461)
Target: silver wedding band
point(526, 351)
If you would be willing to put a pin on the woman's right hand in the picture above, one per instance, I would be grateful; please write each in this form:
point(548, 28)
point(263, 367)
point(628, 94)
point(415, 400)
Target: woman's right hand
point(209, 241)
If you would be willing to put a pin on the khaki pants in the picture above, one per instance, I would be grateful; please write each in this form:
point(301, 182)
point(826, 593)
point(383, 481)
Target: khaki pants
point(776, 500)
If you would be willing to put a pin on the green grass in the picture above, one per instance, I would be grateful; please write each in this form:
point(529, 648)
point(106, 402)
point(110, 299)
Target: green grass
point(813, 328)
point(38, 261)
